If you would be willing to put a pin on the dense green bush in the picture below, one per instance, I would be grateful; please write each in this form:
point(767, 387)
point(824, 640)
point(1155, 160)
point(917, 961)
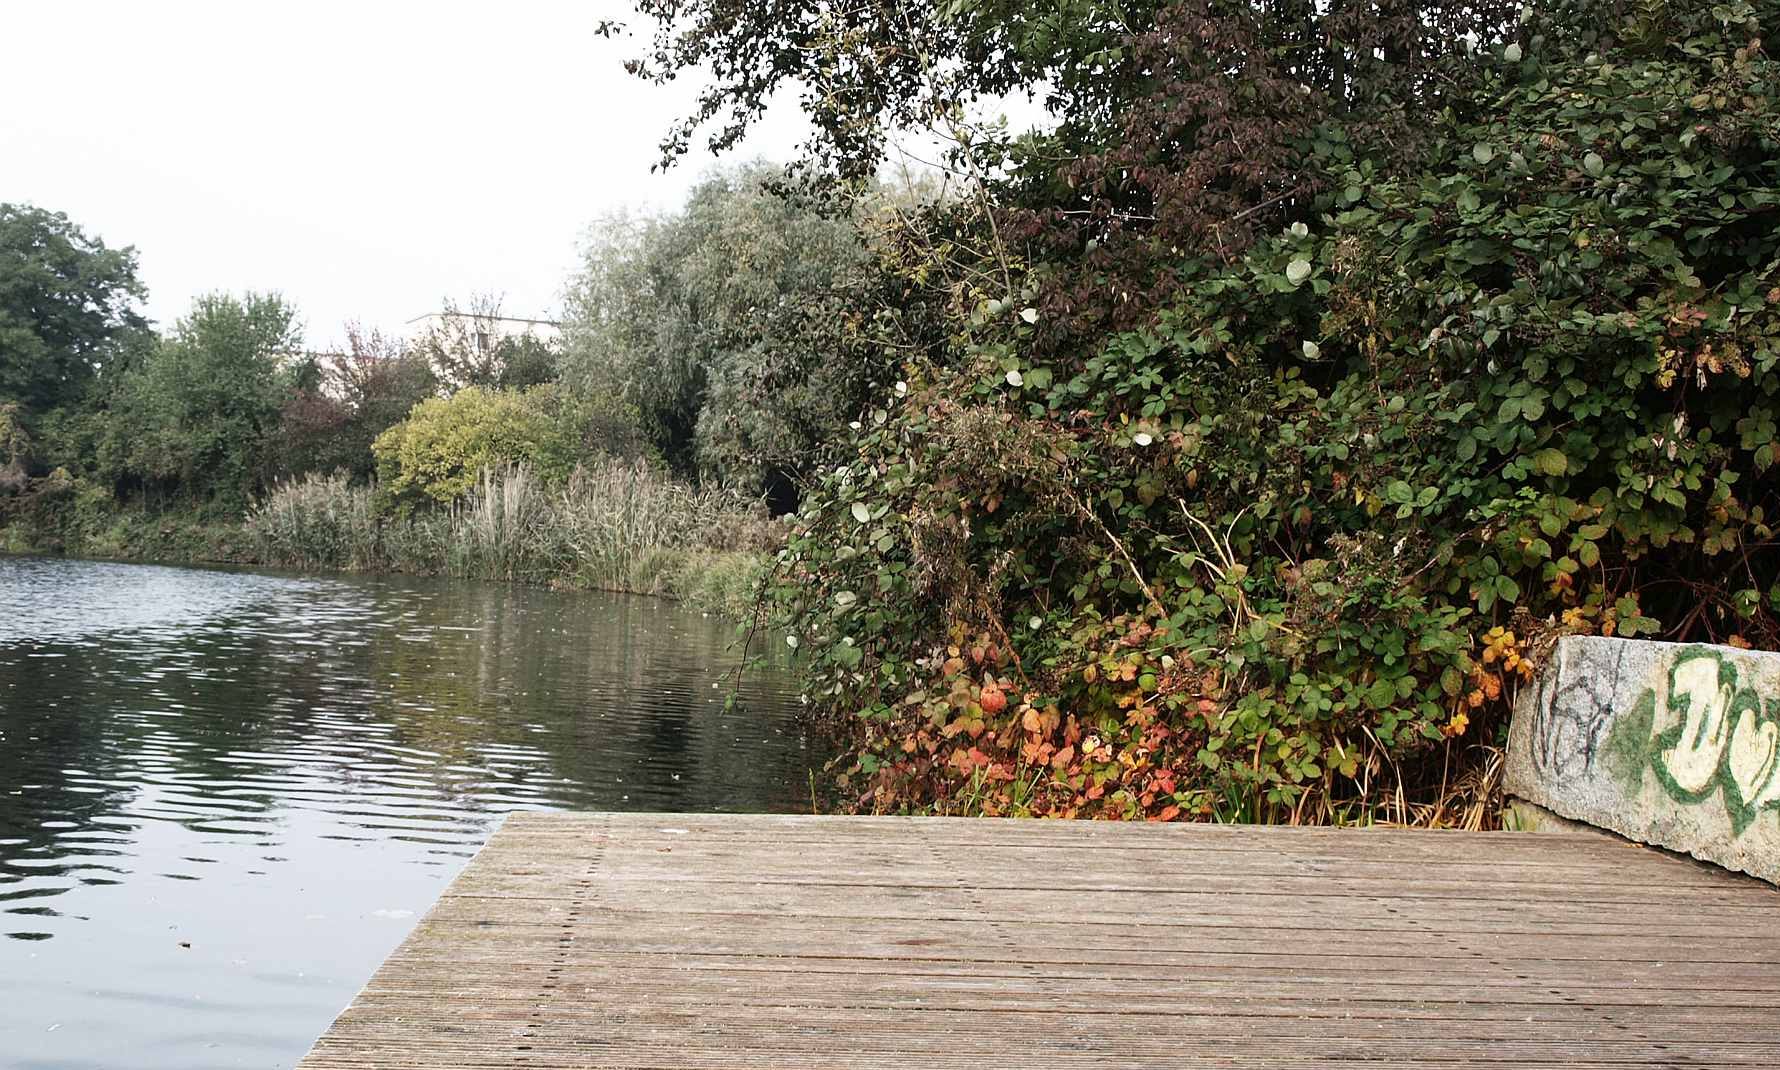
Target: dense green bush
point(439, 451)
point(1269, 548)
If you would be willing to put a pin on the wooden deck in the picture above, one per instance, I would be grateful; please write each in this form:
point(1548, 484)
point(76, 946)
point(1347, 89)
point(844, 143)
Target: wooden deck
point(673, 940)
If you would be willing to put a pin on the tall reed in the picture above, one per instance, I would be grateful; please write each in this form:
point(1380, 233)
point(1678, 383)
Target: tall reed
point(318, 522)
point(626, 523)
point(615, 525)
point(507, 527)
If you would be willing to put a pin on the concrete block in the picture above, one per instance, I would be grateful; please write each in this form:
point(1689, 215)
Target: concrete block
point(1664, 743)
point(1519, 815)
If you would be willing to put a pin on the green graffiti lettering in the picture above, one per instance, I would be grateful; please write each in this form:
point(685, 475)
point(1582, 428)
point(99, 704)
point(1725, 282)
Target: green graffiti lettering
point(1690, 753)
point(1627, 749)
point(1751, 762)
point(1714, 737)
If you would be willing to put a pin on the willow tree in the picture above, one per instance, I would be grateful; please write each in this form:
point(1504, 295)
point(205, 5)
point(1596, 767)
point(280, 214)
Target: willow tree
point(718, 323)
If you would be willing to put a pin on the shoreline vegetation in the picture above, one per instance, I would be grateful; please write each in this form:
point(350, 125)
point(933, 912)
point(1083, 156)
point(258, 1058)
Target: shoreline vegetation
point(1231, 445)
point(616, 526)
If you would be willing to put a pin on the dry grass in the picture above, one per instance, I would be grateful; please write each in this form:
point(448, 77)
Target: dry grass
point(1466, 795)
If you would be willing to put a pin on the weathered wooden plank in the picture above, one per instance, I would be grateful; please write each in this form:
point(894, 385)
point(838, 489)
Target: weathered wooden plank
point(607, 933)
point(1013, 1003)
point(634, 1041)
point(700, 941)
point(1162, 967)
point(1251, 888)
point(1013, 905)
point(1210, 865)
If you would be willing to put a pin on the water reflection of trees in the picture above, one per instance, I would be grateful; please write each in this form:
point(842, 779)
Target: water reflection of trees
point(611, 694)
point(409, 694)
point(58, 762)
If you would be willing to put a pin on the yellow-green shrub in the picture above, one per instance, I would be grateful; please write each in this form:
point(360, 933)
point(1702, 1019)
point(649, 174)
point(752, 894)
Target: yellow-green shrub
point(443, 445)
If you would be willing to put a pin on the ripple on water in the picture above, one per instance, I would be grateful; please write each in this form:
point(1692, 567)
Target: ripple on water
point(232, 792)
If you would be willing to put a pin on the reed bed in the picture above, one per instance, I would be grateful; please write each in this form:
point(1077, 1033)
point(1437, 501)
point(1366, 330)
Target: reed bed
point(616, 525)
point(319, 522)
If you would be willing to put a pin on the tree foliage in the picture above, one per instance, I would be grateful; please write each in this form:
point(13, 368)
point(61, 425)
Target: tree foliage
point(66, 302)
point(198, 417)
point(717, 323)
point(328, 425)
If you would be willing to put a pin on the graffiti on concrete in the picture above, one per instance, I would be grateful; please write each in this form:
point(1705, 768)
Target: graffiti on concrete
point(1571, 719)
point(1705, 735)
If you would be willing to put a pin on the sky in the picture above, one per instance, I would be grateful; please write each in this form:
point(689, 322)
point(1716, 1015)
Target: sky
point(366, 160)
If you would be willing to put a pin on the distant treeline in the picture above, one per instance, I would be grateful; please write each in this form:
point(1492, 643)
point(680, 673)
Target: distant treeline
point(681, 363)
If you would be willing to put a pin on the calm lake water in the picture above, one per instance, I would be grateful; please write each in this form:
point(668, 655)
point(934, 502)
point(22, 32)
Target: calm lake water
point(226, 796)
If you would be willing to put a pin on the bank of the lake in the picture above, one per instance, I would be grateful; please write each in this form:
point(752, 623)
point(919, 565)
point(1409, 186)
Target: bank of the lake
point(228, 793)
point(620, 527)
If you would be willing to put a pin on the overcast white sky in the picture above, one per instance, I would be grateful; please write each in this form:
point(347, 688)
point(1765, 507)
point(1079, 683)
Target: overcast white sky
point(367, 160)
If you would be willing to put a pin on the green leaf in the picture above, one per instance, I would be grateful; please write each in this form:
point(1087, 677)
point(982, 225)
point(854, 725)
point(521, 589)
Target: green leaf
point(1551, 462)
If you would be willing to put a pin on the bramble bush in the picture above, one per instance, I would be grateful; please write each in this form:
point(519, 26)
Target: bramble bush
point(1281, 549)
